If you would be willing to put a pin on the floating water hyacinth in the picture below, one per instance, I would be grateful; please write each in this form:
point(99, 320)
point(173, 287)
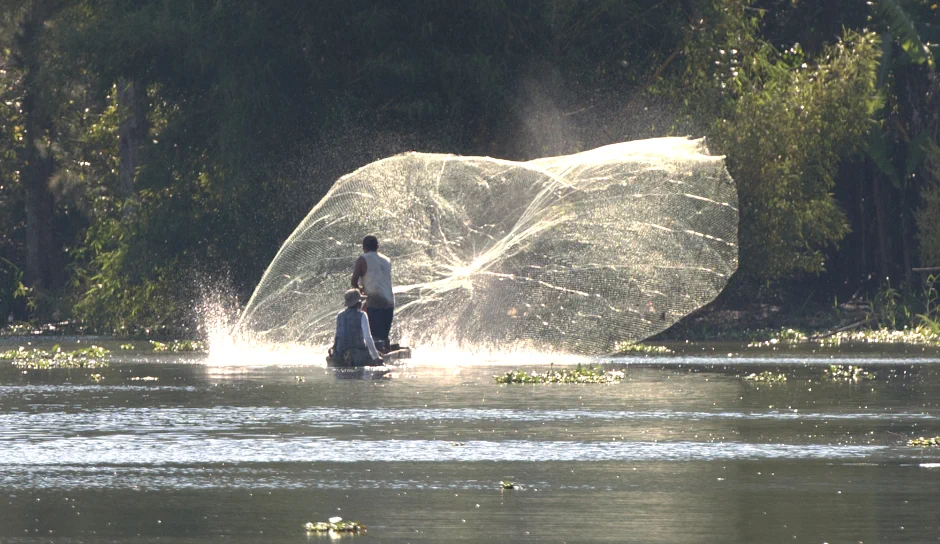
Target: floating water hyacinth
point(847, 373)
point(919, 335)
point(643, 349)
point(924, 442)
point(335, 525)
point(177, 346)
point(782, 336)
point(579, 374)
point(766, 377)
point(90, 357)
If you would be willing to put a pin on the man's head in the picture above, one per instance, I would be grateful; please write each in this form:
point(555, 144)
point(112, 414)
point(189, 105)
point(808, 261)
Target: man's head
point(370, 243)
point(352, 298)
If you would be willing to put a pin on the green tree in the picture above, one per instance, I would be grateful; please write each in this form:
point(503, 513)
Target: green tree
point(12, 212)
point(36, 157)
point(786, 130)
point(928, 214)
point(904, 128)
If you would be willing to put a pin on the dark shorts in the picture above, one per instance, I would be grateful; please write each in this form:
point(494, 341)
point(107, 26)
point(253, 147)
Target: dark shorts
point(380, 323)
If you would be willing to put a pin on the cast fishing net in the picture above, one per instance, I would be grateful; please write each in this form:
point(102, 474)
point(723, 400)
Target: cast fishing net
point(575, 253)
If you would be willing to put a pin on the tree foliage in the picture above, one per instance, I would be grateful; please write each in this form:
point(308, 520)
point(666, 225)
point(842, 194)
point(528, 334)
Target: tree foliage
point(254, 108)
point(928, 214)
point(785, 135)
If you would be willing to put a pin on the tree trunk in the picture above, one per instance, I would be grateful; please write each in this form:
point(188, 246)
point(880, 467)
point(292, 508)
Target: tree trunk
point(40, 207)
point(906, 243)
point(862, 267)
point(880, 226)
point(132, 131)
point(41, 252)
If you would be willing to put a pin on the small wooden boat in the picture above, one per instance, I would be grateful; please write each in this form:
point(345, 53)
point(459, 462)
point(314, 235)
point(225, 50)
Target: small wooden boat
point(392, 358)
point(397, 352)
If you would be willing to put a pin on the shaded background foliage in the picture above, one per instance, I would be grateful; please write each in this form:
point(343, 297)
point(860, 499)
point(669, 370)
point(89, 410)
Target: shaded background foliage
point(183, 140)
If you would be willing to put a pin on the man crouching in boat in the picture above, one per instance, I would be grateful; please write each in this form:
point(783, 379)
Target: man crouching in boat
point(353, 345)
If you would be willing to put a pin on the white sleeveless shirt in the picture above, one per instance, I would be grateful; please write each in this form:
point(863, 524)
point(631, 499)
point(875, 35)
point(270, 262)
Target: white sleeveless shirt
point(377, 280)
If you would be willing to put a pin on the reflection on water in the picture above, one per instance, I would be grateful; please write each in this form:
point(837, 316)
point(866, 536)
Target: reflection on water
point(684, 450)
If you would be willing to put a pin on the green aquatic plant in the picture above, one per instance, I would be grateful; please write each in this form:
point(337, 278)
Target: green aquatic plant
point(19, 328)
point(888, 307)
point(921, 335)
point(579, 374)
point(335, 525)
point(924, 442)
point(96, 377)
point(177, 346)
point(766, 377)
point(127, 347)
point(507, 485)
point(768, 338)
point(847, 373)
point(930, 319)
point(643, 349)
point(908, 315)
point(90, 357)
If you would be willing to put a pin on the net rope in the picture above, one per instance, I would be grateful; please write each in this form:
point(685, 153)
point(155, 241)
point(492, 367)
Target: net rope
point(576, 253)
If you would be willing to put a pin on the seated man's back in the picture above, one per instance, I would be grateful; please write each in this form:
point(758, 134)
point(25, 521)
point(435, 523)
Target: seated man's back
point(353, 344)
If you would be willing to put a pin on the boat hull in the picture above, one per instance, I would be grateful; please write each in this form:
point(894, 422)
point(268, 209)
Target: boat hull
point(396, 354)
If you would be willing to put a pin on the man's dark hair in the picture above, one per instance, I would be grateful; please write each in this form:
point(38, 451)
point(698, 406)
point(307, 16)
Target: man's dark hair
point(370, 243)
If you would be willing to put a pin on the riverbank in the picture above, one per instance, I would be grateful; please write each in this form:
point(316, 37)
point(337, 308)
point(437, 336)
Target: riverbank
point(770, 324)
point(752, 325)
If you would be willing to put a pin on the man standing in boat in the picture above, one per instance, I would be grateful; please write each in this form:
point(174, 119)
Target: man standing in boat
point(375, 271)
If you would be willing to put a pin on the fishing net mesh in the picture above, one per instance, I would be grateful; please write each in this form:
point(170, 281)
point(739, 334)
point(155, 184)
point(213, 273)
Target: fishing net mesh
point(575, 253)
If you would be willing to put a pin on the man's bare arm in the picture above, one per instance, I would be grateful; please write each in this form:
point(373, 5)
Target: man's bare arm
point(358, 271)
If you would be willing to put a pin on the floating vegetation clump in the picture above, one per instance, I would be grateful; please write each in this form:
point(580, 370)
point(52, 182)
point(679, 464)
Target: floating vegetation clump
point(19, 328)
point(579, 374)
point(90, 357)
point(335, 525)
point(782, 336)
point(177, 346)
point(24, 328)
point(766, 377)
point(507, 485)
point(924, 442)
point(96, 377)
point(847, 373)
point(127, 347)
point(919, 335)
point(642, 349)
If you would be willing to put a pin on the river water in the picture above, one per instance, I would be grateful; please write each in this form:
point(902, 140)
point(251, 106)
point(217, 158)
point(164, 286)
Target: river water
point(187, 449)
